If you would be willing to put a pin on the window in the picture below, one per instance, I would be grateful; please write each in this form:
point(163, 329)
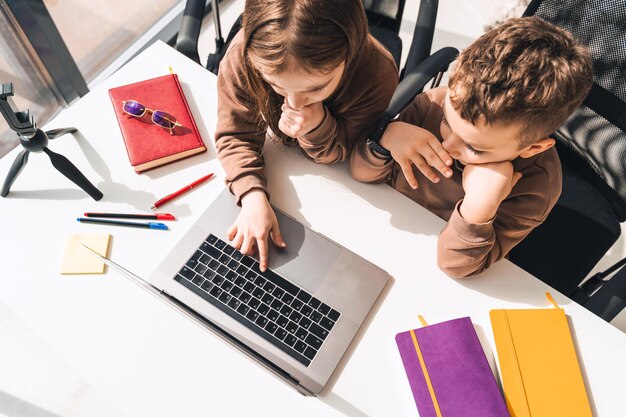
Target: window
point(52, 50)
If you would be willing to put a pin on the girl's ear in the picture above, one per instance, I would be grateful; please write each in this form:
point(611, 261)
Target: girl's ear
point(537, 147)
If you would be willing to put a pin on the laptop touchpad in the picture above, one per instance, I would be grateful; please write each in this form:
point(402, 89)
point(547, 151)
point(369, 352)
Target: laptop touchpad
point(308, 257)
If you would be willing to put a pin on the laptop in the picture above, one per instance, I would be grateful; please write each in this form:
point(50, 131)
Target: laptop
point(297, 318)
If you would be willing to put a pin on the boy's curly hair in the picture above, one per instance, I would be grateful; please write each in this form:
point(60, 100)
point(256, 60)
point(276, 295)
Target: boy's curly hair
point(523, 70)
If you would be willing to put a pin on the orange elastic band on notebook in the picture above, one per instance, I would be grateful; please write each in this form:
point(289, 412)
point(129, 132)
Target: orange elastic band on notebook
point(549, 297)
point(425, 372)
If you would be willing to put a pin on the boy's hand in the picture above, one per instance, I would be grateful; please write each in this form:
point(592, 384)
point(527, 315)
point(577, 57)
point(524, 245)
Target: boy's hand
point(486, 186)
point(411, 145)
point(255, 222)
point(297, 123)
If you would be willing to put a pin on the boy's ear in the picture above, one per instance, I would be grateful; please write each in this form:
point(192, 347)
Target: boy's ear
point(537, 147)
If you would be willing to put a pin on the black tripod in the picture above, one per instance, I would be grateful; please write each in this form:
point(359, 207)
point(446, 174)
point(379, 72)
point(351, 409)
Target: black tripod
point(36, 140)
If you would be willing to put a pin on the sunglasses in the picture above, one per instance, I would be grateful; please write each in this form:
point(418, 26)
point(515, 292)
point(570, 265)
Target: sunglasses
point(159, 117)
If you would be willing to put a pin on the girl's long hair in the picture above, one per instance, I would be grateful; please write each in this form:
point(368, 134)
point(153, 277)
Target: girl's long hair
point(316, 34)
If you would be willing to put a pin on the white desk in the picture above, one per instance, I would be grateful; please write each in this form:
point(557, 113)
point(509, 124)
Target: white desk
point(98, 345)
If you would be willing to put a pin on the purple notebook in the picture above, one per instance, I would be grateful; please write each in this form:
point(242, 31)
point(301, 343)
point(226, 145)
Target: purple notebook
point(461, 381)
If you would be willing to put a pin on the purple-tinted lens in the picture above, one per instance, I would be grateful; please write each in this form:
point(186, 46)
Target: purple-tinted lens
point(163, 119)
point(134, 108)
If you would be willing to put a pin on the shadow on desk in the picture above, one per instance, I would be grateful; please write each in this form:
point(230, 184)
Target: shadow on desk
point(54, 194)
point(330, 397)
point(581, 364)
point(196, 112)
point(501, 281)
point(285, 167)
point(120, 193)
point(113, 191)
point(12, 406)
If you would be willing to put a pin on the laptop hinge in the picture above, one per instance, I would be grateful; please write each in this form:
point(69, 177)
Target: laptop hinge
point(242, 347)
point(304, 391)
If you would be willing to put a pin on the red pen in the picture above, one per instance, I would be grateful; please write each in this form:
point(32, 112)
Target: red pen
point(155, 216)
point(183, 190)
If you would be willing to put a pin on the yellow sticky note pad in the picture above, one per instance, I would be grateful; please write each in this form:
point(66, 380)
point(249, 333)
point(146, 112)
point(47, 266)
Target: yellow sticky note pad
point(78, 260)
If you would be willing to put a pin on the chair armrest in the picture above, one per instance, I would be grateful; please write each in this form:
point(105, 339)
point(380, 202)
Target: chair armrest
point(412, 85)
point(187, 39)
point(604, 298)
point(415, 80)
point(422, 34)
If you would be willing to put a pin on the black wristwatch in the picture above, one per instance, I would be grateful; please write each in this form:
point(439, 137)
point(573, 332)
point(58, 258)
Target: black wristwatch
point(375, 146)
point(373, 141)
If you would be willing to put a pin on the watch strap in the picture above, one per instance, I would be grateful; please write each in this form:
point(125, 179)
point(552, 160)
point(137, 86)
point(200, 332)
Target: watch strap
point(376, 147)
point(373, 141)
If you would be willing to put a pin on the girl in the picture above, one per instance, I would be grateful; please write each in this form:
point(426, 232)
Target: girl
point(309, 71)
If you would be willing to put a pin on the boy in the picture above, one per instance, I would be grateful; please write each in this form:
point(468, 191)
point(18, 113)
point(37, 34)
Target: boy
point(487, 134)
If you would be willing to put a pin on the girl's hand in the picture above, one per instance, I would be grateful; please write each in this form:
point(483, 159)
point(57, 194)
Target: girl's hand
point(255, 222)
point(297, 123)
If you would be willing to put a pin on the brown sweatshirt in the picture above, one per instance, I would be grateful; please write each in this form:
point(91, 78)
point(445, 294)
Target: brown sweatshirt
point(351, 113)
point(464, 248)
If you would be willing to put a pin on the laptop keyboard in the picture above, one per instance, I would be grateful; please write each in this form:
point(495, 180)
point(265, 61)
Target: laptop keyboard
point(279, 311)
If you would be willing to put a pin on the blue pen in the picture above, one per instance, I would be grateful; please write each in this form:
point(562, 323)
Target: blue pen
point(148, 225)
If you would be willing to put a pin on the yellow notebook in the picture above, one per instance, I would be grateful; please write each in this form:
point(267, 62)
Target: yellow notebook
point(540, 371)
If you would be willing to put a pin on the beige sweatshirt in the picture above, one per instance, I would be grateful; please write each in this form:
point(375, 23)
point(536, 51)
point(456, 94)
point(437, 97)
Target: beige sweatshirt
point(464, 248)
point(350, 116)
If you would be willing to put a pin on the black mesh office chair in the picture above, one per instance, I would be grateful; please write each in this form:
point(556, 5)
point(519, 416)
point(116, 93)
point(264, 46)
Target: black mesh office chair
point(384, 18)
point(585, 222)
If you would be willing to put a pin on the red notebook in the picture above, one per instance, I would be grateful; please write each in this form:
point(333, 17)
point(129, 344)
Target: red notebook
point(149, 145)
